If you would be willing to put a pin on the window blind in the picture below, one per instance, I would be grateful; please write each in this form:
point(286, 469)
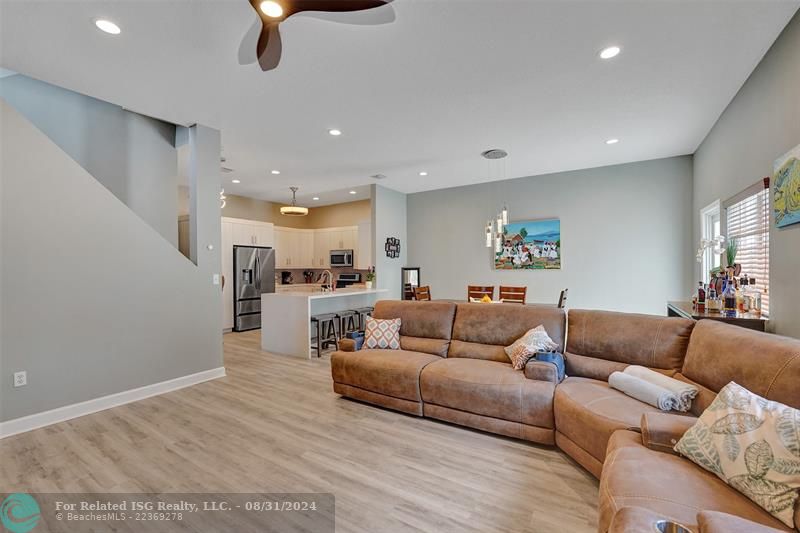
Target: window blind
point(747, 221)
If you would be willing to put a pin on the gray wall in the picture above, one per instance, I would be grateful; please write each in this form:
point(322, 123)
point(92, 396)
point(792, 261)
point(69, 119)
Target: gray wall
point(132, 155)
point(389, 220)
point(94, 301)
point(760, 124)
point(625, 233)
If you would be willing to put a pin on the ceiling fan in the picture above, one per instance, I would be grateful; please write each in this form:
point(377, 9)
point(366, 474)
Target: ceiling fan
point(264, 37)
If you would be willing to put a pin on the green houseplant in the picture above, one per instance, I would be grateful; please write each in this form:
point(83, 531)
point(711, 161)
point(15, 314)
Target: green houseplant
point(370, 277)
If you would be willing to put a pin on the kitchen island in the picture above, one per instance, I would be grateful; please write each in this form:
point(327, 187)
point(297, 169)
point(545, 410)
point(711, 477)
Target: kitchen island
point(286, 316)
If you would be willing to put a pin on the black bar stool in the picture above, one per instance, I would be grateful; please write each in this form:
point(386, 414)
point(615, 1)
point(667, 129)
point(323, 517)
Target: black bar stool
point(361, 315)
point(347, 322)
point(325, 325)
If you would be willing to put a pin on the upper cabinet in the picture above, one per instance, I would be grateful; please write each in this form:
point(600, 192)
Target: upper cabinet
point(250, 232)
point(294, 248)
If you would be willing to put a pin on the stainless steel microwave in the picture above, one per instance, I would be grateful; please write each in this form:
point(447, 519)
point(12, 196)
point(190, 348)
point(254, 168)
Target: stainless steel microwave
point(341, 258)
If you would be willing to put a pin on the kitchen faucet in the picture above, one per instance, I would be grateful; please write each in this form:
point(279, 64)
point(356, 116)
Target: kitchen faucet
point(326, 287)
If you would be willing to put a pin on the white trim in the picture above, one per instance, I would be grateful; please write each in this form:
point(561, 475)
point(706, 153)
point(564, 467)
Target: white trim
point(707, 214)
point(60, 414)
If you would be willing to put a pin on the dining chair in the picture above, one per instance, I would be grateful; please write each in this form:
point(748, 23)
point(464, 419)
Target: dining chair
point(479, 291)
point(562, 299)
point(513, 295)
point(408, 291)
point(422, 293)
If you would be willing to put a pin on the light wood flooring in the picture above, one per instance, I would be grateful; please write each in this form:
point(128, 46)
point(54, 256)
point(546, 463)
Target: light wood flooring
point(275, 425)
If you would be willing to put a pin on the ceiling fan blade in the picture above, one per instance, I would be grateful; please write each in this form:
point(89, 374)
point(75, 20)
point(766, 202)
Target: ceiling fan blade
point(336, 6)
point(247, 49)
point(368, 17)
point(269, 47)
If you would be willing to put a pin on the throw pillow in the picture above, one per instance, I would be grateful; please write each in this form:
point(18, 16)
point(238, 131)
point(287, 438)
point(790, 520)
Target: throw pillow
point(753, 445)
point(382, 334)
point(535, 340)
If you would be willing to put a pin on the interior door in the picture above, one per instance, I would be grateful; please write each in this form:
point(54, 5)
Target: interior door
point(227, 273)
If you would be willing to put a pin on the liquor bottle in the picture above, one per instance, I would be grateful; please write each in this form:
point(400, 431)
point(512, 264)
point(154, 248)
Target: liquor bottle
point(701, 295)
point(743, 296)
point(729, 297)
point(755, 298)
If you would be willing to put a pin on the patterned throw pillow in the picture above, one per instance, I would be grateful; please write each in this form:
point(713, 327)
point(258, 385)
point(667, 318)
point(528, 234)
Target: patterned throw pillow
point(382, 334)
point(535, 340)
point(753, 445)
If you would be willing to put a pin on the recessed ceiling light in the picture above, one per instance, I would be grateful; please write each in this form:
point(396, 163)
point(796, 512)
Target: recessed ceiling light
point(276, 172)
point(612, 141)
point(353, 192)
point(107, 26)
point(271, 9)
point(315, 198)
point(423, 173)
point(235, 181)
point(611, 51)
point(335, 132)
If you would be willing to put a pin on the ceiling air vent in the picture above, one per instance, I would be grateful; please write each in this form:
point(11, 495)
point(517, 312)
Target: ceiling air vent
point(378, 177)
point(494, 153)
point(226, 170)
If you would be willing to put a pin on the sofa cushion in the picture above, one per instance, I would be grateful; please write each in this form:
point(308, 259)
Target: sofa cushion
point(390, 372)
point(482, 331)
point(488, 388)
point(635, 476)
point(767, 364)
point(426, 326)
point(602, 342)
point(588, 411)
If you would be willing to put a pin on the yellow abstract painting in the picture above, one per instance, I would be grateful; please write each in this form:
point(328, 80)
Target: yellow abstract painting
point(786, 196)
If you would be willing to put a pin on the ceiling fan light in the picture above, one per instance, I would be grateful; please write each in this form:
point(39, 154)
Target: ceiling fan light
point(271, 8)
point(294, 211)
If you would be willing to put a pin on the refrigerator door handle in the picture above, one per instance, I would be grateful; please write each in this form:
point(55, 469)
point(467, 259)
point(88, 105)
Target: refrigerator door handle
point(258, 274)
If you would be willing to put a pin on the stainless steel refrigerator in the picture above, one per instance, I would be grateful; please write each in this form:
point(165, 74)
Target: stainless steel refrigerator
point(253, 275)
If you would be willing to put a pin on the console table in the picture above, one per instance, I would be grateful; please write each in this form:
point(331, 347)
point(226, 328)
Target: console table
point(745, 320)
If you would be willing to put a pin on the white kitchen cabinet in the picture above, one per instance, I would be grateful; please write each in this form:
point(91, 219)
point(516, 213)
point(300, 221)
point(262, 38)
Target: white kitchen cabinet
point(322, 249)
point(250, 232)
point(294, 248)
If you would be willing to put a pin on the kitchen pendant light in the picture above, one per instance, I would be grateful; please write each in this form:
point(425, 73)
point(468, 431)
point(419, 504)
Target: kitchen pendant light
point(294, 210)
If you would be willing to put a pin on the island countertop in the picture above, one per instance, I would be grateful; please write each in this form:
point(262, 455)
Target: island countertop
point(316, 295)
point(286, 316)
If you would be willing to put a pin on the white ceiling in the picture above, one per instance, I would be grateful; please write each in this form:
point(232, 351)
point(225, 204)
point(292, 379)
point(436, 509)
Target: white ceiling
point(445, 81)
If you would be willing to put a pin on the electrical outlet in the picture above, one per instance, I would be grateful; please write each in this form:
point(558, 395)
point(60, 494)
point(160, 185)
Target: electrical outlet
point(20, 379)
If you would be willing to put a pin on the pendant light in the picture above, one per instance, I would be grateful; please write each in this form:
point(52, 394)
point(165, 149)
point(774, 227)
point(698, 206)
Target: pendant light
point(294, 210)
point(495, 227)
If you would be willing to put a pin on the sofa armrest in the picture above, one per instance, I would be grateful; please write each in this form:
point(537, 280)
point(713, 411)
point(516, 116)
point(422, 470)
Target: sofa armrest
point(716, 522)
point(347, 345)
point(541, 371)
point(662, 431)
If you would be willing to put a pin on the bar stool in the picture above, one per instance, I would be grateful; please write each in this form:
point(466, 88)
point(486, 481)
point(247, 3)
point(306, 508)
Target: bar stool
point(361, 316)
point(325, 325)
point(347, 322)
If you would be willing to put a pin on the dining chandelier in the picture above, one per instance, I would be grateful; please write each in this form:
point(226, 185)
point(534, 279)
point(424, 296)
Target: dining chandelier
point(495, 225)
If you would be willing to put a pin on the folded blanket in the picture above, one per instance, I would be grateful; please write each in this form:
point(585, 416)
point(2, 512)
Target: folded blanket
point(684, 393)
point(643, 391)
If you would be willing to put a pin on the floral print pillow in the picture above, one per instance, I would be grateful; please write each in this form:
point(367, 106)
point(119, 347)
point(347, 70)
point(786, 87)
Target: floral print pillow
point(753, 445)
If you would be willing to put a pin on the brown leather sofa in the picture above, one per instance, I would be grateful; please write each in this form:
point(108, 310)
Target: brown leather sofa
point(452, 367)
point(641, 470)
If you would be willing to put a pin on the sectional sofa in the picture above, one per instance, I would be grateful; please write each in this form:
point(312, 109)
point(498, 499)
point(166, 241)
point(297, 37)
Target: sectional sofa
point(452, 367)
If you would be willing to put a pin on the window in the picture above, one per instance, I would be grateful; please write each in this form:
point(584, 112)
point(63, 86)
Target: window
point(710, 228)
point(747, 221)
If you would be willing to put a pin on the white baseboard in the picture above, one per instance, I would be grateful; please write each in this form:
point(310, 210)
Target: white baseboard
point(60, 414)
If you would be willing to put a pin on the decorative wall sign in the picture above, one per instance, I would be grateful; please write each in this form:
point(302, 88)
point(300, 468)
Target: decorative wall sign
point(530, 245)
point(786, 195)
point(392, 247)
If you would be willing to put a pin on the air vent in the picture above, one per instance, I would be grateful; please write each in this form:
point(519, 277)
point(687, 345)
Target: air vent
point(495, 153)
point(378, 177)
point(226, 170)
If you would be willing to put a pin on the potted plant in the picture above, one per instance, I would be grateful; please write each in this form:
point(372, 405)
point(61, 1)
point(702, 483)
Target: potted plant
point(734, 269)
point(370, 278)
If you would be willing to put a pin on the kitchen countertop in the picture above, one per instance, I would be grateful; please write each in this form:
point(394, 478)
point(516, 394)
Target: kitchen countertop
point(319, 295)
